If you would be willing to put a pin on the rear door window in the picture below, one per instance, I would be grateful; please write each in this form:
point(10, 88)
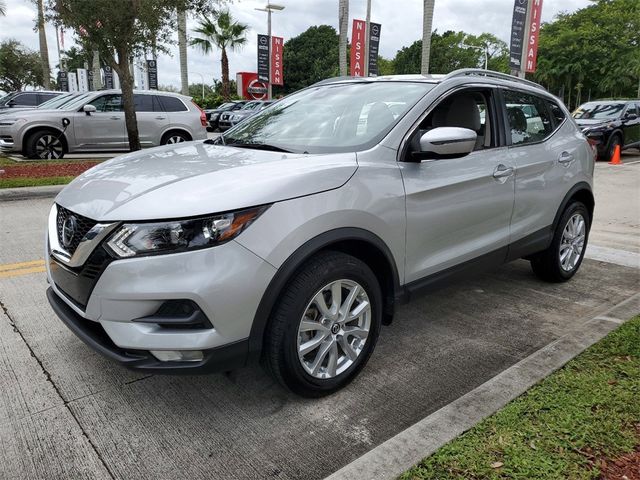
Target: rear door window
point(26, 99)
point(172, 104)
point(556, 113)
point(144, 103)
point(45, 97)
point(529, 119)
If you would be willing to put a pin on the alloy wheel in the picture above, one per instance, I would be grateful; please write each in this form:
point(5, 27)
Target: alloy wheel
point(334, 329)
point(175, 139)
point(49, 147)
point(572, 242)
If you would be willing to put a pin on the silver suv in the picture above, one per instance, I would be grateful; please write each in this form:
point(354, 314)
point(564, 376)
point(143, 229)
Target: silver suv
point(94, 122)
point(294, 236)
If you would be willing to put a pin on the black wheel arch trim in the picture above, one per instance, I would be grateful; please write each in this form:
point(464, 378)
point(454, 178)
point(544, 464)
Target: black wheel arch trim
point(578, 187)
point(293, 264)
point(26, 136)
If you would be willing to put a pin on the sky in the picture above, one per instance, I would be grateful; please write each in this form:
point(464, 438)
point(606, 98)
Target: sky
point(401, 25)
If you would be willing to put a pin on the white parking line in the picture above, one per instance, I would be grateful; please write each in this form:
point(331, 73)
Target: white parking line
point(613, 255)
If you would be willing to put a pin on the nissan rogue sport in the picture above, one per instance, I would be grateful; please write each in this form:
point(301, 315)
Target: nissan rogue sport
point(293, 237)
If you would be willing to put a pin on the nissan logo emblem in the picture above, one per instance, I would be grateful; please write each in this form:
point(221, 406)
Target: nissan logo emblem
point(69, 231)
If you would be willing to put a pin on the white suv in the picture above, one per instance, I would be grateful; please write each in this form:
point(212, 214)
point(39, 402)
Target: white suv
point(293, 237)
point(94, 122)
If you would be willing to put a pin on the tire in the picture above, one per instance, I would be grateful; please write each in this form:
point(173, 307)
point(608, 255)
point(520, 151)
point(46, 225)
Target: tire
point(611, 147)
point(549, 265)
point(45, 145)
point(170, 138)
point(313, 374)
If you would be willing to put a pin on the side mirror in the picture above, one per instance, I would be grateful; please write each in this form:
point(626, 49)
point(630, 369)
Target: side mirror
point(89, 109)
point(446, 142)
point(11, 103)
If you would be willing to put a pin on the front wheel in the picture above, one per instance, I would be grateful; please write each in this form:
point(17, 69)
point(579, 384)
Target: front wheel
point(563, 258)
point(45, 145)
point(325, 325)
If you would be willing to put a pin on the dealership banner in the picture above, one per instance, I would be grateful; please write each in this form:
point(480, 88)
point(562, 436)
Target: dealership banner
point(63, 81)
point(374, 46)
point(534, 32)
point(108, 78)
point(277, 48)
point(357, 48)
point(518, 27)
point(73, 82)
point(83, 80)
point(152, 74)
point(263, 58)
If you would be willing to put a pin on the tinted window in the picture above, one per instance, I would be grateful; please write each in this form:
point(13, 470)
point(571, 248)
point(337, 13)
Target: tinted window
point(556, 112)
point(143, 103)
point(528, 118)
point(108, 103)
point(598, 111)
point(172, 104)
point(46, 96)
point(26, 99)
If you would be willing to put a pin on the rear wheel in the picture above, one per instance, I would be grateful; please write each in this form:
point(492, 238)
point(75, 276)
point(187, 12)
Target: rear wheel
point(563, 258)
point(614, 141)
point(325, 325)
point(45, 145)
point(174, 137)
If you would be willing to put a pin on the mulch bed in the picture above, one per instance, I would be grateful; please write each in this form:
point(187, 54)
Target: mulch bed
point(71, 169)
point(626, 467)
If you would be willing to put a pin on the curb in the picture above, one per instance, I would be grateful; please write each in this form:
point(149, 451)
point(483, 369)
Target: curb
point(27, 193)
point(393, 457)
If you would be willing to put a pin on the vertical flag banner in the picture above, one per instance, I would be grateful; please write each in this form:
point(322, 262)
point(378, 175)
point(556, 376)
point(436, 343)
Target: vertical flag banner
point(277, 47)
point(374, 45)
point(63, 81)
point(357, 48)
point(73, 82)
point(90, 79)
point(263, 58)
point(152, 74)
point(83, 80)
point(517, 33)
point(534, 33)
point(108, 78)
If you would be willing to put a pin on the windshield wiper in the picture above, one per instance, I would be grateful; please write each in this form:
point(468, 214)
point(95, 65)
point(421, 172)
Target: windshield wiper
point(259, 146)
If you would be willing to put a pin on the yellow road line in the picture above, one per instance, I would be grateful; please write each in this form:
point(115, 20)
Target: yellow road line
point(22, 268)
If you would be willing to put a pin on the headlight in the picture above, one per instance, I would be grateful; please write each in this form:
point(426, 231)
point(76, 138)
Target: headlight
point(136, 239)
point(214, 116)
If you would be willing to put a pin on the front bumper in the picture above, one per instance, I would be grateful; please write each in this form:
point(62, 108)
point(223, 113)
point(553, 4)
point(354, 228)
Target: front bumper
point(226, 283)
point(6, 143)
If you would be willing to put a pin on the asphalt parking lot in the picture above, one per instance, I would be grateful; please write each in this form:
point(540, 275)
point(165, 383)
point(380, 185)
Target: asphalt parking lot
point(66, 412)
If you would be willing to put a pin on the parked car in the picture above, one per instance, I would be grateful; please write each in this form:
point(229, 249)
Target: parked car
point(292, 240)
point(53, 103)
point(96, 124)
point(249, 110)
point(26, 99)
point(213, 116)
point(609, 124)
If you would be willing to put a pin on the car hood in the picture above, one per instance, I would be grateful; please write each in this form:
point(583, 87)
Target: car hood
point(197, 178)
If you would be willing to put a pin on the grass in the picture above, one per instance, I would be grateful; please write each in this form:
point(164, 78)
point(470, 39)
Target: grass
point(33, 182)
point(560, 428)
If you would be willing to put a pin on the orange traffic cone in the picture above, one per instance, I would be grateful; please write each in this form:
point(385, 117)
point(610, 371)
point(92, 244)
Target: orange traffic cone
point(615, 159)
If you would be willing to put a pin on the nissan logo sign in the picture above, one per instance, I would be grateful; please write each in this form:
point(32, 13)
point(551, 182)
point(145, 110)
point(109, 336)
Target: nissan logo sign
point(257, 89)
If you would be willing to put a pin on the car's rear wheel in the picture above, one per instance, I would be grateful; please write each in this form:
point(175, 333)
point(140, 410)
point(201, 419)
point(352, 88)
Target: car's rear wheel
point(325, 326)
point(174, 137)
point(563, 258)
point(45, 145)
point(614, 141)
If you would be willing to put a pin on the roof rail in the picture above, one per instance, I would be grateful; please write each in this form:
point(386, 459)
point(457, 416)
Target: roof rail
point(491, 74)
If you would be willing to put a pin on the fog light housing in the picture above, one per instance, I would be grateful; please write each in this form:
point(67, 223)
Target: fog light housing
point(178, 355)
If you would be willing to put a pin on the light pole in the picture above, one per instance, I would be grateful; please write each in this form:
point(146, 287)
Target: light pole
point(367, 33)
point(269, 8)
point(202, 77)
point(484, 49)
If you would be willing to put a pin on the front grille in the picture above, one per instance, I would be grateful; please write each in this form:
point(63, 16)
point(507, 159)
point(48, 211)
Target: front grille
point(83, 225)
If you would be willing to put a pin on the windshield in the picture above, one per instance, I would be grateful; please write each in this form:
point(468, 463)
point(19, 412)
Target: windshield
point(598, 111)
point(224, 106)
point(330, 118)
point(77, 102)
point(55, 102)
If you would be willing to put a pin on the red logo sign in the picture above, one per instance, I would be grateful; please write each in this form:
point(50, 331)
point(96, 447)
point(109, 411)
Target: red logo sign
point(357, 48)
point(277, 47)
point(257, 89)
point(534, 32)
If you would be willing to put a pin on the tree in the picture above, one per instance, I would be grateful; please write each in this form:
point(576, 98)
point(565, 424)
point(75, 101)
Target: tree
point(44, 50)
point(343, 22)
point(19, 67)
point(3, 8)
point(310, 57)
point(427, 24)
point(223, 32)
point(120, 30)
point(386, 66)
point(182, 48)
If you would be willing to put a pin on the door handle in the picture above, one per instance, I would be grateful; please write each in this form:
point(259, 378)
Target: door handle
point(565, 158)
point(114, 118)
point(502, 171)
point(160, 118)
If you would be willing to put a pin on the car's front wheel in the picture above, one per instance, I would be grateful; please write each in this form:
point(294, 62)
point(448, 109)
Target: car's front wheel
point(44, 145)
point(563, 258)
point(325, 325)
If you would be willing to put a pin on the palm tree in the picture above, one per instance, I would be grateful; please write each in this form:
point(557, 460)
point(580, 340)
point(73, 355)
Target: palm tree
point(44, 51)
point(343, 26)
point(427, 25)
point(224, 33)
point(3, 8)
point(182, 48)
